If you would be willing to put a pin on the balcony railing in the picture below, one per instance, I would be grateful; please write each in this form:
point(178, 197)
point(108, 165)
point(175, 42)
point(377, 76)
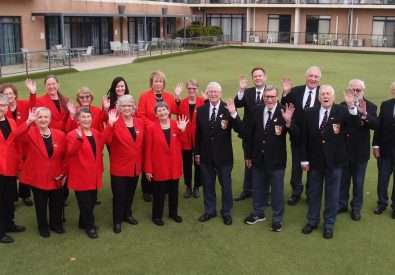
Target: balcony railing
point(287, 2)
point(322, 39)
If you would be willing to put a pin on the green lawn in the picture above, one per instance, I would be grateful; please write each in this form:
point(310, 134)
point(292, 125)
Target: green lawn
point(364, 247)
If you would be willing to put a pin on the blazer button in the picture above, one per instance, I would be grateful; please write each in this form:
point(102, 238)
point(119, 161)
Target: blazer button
point(323, 141)
point(263, 141)
point(262, 151)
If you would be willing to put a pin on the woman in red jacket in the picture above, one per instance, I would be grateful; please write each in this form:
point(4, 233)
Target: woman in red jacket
point(145, 110)
point(125, 138)
point(85, 168)
point(43, 168)
point(18, 110)
point(84, 98)
point(8, 170)
point(187, 107)
point(163, 161)
point(55, 102)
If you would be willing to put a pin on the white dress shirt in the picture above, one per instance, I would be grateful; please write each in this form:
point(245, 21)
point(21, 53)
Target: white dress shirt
point(306, 95)
point(216, 109)
point(240, 94)
point(266, 114)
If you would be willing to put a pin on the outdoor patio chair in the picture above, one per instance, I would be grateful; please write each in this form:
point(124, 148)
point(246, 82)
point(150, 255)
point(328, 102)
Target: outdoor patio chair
point(88, 53)
point(116, 47)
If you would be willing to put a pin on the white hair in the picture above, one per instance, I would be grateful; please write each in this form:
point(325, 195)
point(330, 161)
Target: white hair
point(311, 68)
point(214, 85)
point(122, 100)
point(357, 82)
point(327, 87)
point(393, 85)
point(43, 109)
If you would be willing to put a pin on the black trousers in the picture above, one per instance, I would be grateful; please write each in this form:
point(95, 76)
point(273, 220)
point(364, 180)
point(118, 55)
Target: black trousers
point(52, 200)
point(24, 190)
point(86, 203)
point(187, 163)
point(123, 189)
point(160, 188)
point(146, 185)
point(7, 208)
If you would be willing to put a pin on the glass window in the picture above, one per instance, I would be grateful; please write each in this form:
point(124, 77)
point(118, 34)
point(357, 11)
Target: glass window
point(10, 40)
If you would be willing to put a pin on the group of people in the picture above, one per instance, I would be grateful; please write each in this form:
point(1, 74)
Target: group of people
point(49, 145)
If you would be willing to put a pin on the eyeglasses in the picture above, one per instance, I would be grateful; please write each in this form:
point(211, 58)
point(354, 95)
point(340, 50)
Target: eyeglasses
point(357, 90)
point(270, 96)
point(191, 88)
point(127, 106)
point(84, 97)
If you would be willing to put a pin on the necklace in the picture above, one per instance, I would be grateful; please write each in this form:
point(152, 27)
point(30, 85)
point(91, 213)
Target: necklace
point(46, 135)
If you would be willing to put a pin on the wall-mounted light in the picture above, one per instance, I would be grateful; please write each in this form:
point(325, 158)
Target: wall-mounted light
point(33, 18)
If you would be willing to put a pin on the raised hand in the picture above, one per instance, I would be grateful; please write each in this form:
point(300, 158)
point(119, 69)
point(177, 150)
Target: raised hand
point(106, 103)
point(112, 117)
point(182, 123)
point(32, 116)
point(230, 106)
point(31, 86)
point(243, 83)
point(286, 85)
point(349, 97)
point(287, 113)
point(362, 107)
point(178, 90)
point(72, 109)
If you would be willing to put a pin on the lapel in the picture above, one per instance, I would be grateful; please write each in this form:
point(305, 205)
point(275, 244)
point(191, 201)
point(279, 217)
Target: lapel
point(162, 136)
point(316, 101)
point(12, 127)
point(38, 141)
point(123, 133)
point(88, 146)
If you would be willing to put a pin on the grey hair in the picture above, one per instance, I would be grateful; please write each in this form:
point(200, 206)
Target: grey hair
point(270, 88)
point(327, 87)
point(357, 81)
point(43, 109)
point(314, 67)
point(215, 85)
point(393, 85)
point(125, 99)
point(4, 98)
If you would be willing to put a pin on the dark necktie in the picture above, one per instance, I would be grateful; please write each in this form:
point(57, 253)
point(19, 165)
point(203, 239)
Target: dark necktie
point(308, 101)
point(212, 118)
point(258, 97)
point(269, 119)
point(324, 120)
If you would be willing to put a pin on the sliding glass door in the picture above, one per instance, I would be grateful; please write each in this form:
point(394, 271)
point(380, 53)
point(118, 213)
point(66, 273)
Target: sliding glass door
point(10, 40)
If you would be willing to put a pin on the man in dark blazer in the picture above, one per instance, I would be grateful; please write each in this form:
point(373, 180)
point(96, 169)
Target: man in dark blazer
point(358, 150)
point(384, 151)
point(214, 153)
point(302, 97)
point(266, 153)
point(248, 98)
point(324, 156)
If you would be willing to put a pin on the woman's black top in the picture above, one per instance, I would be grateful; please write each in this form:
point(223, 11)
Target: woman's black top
point(167, 135)
point(132, 132)
point(5, 128)
point(191, 110)
point(57, 104)
point(48, 145)
point(92, 142)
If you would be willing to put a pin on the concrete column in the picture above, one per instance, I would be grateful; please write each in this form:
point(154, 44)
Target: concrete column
point(62, 30)
point(297, 26)
point(248, 24)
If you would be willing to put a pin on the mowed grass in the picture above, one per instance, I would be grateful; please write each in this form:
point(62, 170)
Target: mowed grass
point(364, 247)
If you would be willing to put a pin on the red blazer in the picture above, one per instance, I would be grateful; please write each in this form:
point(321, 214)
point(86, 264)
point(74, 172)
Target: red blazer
point(38, 170)
point(59, 119)
point(147, 103)
point(98, 119)
point(126, 158)
point(164, 162)
point(183, 109)
point(84, 171)
point(9, 154)
point(22, 109)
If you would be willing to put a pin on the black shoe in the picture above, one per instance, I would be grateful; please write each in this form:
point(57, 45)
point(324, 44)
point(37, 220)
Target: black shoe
point(379, 210)
point(308, 228)
point(243, 196)
point(176, 218)
point(16, 229)
point(147, 197)
point(6, 239)
point(97, 202)
point(44, 233)
point(227, 219)
point(293, 200)
point(328, 233)
point(131, 220)
point(92, 233)
point(57, 229)
point(188, 193)
point(205, 217)
point(158, 222)
point(342, 210)
point(27, 202)
point(253, 219)
point(356, 215)
point(196, 193)
point(117, 228)
point(277, 227)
